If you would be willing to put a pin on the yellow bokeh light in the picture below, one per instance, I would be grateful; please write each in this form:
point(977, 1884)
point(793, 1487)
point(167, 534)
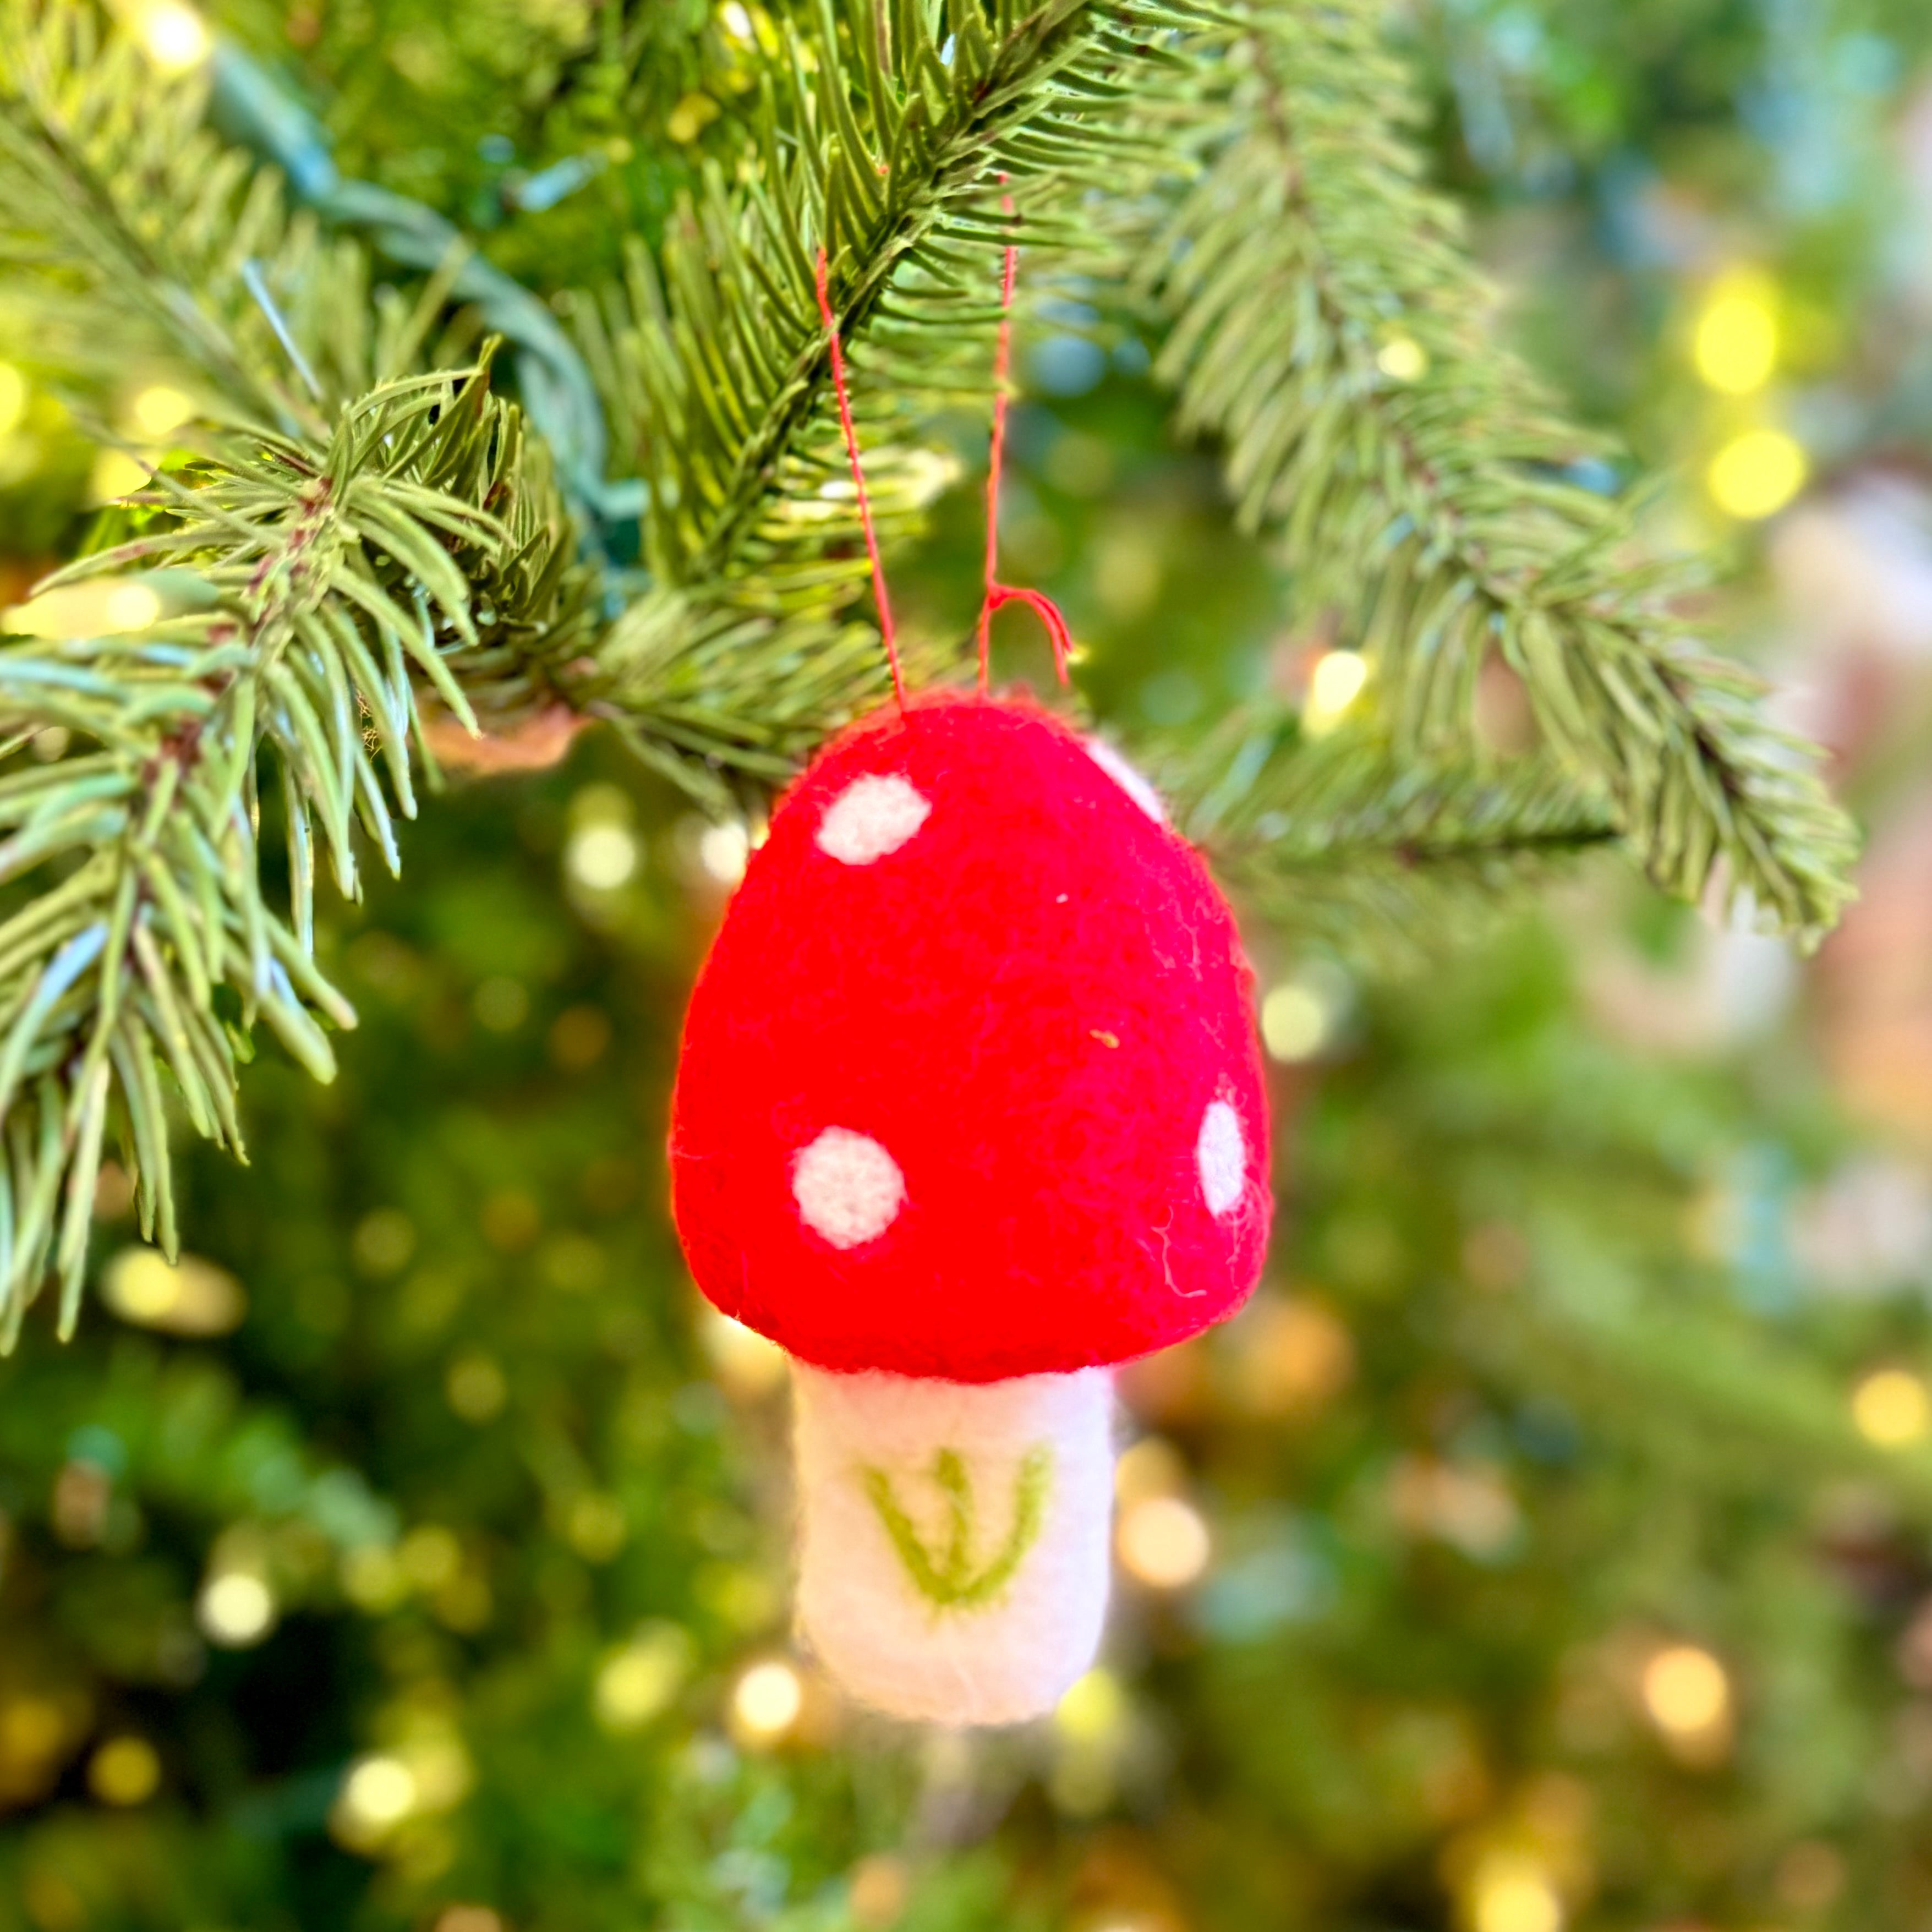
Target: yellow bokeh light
point(1891, 1408)
point(131, 606)
point(13, 398)
point(116, 474)
point(378, 1793)
point(602, 856)
point(440, 1767)
point(1288, 1356)
point(1685, 1691)
point(640, 1680)
point(1735, 347)
point(235, 1609)
point(1294, 1021)
point(743, 1360)
point(174, 34)
point(160, 408)
point(1163, 1542)
point(1151, 1467)
point(1333, 686)
point(1403, 359)
point(501, 1004)
point(125, 1770)
point(724, 850)
point(1094, 1708)
point(191, 1298)
point(1337, 680)
point(98, 607)
point(1757, 474)
point(690, 118)
point(1513, 1896)
point(768, 1700)
point(32, 1730)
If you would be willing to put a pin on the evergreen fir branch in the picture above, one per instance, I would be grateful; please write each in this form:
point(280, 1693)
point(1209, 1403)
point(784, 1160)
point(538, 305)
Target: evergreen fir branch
point(888, 137)
point(135, 235)
point(298, 594)
point(1341, 837)
point(360, 530)
point(1426, 492)
point(728, 704)
point(1581, 1331)
point(556, 389)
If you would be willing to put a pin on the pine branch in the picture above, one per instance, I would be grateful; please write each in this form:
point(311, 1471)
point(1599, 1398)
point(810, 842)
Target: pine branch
point(728, 704)
point(1343, 838)
point(349, 529)
point(1432, 507)
point(288, 598)
point(556, 389)
point(889, 141)
point(133, 234)
point(894, 163)
point(1581, 1333)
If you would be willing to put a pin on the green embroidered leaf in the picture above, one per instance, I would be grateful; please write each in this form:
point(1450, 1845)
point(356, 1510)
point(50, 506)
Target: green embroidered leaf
point(949, 1581)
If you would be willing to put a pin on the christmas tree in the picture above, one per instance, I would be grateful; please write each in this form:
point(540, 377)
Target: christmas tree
point(389, 1536)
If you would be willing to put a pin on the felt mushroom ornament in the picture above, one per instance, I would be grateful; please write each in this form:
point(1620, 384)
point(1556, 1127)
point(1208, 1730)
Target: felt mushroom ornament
point(969, 1110)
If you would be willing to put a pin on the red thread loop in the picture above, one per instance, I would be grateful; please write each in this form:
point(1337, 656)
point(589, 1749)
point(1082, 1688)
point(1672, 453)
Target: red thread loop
point(1043, 607)
point(996, 593)
point(888, 636)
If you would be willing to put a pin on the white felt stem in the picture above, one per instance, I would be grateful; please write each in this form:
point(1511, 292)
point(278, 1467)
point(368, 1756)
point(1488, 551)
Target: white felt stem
point(954, 1537)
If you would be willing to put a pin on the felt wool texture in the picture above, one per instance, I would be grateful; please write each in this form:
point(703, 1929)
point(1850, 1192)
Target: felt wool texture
point(1129, 780)
point(1030, 1005)
point(953, 1538)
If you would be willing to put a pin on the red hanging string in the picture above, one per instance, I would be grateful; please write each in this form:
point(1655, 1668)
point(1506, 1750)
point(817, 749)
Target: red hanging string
point(888, 636)
point(996, 593)
point(1002, 362)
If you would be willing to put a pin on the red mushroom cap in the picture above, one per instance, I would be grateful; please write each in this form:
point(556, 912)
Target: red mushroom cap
point(969, 1086)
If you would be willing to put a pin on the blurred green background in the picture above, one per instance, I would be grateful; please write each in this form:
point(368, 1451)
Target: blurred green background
point(1547, 1546)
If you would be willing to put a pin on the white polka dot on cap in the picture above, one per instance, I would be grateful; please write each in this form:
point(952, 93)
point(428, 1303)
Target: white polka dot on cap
point(872, 816)
point(849, 1189)
point(1221, 1156)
